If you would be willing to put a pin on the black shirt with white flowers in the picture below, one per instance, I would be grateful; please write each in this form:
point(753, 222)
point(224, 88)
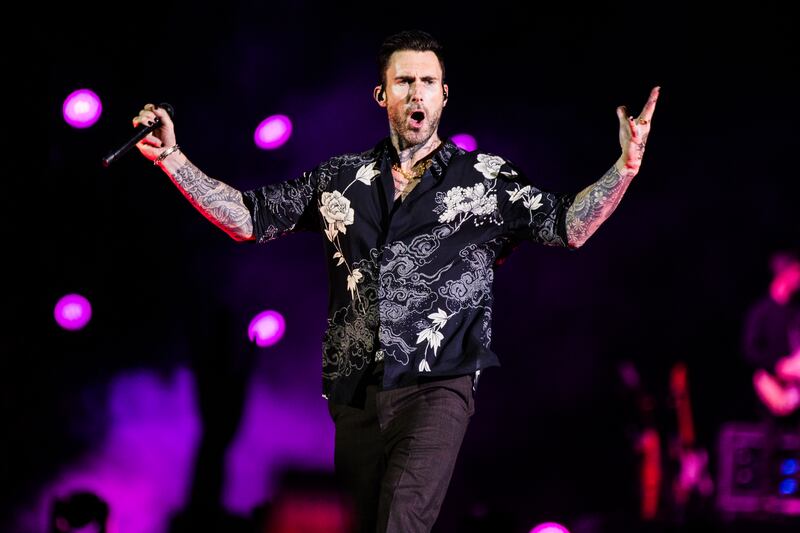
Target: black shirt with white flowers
point(411, 280)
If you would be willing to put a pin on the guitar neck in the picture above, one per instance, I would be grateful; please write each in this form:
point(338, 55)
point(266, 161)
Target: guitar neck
point(683, 406)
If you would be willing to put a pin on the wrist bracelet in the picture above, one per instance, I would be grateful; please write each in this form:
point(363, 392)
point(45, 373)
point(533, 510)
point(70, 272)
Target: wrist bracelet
point(166, 153)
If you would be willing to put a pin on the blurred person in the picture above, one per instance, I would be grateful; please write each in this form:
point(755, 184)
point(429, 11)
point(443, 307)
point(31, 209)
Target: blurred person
point(772, 337)
point(80, 512)
point(771, 347)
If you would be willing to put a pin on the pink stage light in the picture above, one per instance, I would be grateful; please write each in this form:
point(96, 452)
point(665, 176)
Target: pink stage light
point(465, 141)
point(273, 132)
point(266, 328)
point(82, 108)
point(73, 312)
point(549, 527)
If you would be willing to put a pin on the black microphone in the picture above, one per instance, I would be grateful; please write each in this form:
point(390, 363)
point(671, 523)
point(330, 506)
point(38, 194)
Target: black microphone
point(141, 133)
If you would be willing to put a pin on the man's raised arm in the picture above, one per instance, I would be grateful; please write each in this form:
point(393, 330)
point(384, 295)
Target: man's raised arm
point(594, 204)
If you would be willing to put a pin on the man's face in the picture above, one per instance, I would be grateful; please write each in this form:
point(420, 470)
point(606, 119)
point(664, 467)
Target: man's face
point(414, 96)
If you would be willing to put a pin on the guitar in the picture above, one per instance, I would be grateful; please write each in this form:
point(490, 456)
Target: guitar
point(780, 393)
point(648, 443)
point(693, 476)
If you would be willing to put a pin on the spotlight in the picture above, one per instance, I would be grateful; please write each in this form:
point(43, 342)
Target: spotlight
point(82, 108)
point(73, 312)
point(273, 132)
point(465, 141)
point(266, 328)
point(549, 527)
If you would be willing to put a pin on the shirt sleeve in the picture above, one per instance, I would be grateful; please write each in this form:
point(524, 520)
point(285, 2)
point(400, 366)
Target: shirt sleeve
point(530, 213)
point(281, 208)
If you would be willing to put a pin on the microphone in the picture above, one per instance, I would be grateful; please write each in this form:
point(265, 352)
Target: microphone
point(141, 133)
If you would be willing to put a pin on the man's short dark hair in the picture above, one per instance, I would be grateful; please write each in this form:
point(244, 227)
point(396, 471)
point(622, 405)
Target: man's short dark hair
point(414, 40)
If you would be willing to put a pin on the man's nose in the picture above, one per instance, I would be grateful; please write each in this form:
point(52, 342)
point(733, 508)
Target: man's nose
point(416, 92)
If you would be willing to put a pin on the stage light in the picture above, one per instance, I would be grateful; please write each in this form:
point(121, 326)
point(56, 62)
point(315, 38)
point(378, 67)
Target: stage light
point(266, 328)
point(788, 486)
point(82, 108)
point(465, 141)
point(789, 467)
point(549, 527)
point(73, 312)
point(273, 132)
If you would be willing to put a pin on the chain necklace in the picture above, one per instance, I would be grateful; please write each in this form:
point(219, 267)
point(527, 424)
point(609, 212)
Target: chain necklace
point(416, 171)
point(411, 177)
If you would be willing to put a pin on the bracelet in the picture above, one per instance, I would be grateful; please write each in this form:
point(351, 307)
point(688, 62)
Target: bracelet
point(166, 153)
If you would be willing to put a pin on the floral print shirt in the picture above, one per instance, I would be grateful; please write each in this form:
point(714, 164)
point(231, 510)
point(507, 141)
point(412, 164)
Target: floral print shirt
point(411, 280)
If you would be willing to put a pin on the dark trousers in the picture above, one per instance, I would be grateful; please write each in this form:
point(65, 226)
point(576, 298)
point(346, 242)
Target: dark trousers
point(396, 455)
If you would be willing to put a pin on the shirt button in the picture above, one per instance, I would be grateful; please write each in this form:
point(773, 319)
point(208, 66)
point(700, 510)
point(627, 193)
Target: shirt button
point(379, 355)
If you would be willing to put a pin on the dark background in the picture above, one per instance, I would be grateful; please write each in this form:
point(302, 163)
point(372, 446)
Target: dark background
point(668, 277)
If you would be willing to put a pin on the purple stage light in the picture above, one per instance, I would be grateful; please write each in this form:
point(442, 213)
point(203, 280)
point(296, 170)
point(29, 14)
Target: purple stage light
point(73, 312)
point(279, 431)
point(465, 141)
point(549, 527)
point(273, 132)
point(266, 328)
point(82, 108)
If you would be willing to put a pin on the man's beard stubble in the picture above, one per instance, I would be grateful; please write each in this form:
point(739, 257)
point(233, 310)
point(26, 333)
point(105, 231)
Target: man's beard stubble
point(406, 137)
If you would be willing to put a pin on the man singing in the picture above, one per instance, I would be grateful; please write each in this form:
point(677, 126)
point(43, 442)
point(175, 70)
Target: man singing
point(413, 229)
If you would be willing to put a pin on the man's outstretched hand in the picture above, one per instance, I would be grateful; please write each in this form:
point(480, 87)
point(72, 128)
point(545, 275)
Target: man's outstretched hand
point(633, 132)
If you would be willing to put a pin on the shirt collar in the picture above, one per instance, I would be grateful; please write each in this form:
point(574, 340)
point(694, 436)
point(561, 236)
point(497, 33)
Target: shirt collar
point(441, 155)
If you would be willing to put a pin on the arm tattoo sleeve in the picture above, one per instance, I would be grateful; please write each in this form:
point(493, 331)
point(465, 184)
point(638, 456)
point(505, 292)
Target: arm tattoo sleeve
point(218, 202)
point(594, 204)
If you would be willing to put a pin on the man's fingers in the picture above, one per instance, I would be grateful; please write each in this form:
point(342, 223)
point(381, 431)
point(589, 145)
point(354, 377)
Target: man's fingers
point(650, 106)
point(622, 114)
point(144, 117)
point(632, 125)
point(161, 113)
point(164, 133)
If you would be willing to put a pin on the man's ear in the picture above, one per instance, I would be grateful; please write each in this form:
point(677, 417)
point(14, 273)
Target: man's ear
point(446, 94)
point(380, 95)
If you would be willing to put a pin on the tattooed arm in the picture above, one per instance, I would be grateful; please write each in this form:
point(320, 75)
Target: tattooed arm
point(218, 202)
point(594, 204)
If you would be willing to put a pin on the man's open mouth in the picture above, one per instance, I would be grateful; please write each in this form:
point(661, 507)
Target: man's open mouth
point(417, 118)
